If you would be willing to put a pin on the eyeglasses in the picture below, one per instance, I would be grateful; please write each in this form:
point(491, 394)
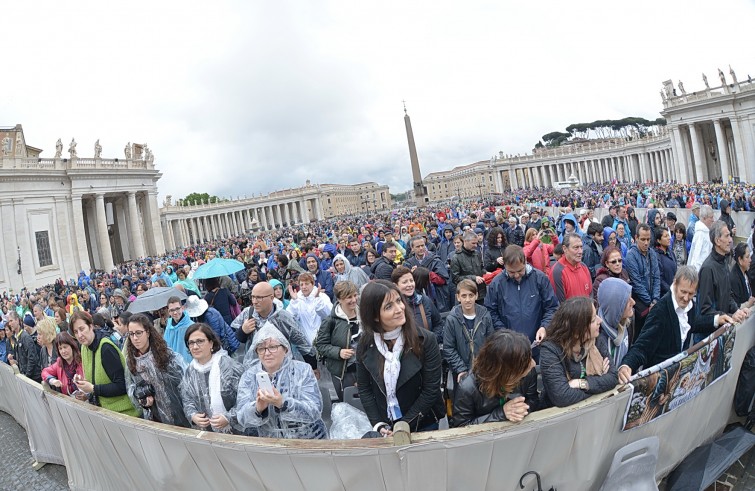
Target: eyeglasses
point(197, 342)
point(615, 261)
point(260, 297)
point(270, 349)
point(136, 334)
point(175, 310)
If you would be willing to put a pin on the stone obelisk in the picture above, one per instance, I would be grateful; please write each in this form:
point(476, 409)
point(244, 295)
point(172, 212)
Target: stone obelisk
point(420, 196)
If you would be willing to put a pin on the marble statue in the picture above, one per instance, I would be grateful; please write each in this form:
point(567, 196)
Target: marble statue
point(72, 148)
point(668, 89)
point(500, 154)
point(681, 88)
point(58, 149)
point(19, 145)
point(733, 75)
point(97, 149)
point(663, 96)
point(6, 146)
point(722, 77)
point(127, 150)
point(705, 81)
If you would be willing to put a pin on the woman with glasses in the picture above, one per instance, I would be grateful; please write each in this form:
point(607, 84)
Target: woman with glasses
point(104, 381)
point(612, 266)
point(210, 383)
point(611, 238)
point(154, 374)
point(291, 405)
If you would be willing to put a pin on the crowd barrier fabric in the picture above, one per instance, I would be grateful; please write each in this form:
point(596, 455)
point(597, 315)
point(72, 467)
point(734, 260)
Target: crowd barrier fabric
point(571, 448)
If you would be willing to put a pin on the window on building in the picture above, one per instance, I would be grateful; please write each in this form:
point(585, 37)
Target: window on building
point(43, 249)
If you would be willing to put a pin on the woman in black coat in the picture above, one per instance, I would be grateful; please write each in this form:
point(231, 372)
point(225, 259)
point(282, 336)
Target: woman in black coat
point(741, 288)
point(496, 244)
point(502, 385)
point(398, 364)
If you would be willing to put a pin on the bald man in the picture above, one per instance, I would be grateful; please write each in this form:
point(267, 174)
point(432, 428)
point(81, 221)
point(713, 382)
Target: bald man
point(264, 310)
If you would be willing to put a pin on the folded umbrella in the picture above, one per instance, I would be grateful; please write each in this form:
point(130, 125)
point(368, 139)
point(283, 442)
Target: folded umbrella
point(218, 267)
point(155, 299)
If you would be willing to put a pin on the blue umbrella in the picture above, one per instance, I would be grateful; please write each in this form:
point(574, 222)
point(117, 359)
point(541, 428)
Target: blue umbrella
point(218, 267)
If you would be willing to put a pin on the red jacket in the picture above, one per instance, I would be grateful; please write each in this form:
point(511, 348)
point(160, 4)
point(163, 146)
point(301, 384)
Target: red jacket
point(538, 254)
point(570, 281)
point(56, 370)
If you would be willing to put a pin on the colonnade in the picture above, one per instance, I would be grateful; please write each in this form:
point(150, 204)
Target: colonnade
point(206, 223)
point(116, 227)
point(648, 165)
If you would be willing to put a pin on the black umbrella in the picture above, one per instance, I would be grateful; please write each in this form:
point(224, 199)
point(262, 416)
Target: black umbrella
point(702, 467)
point(154, 299)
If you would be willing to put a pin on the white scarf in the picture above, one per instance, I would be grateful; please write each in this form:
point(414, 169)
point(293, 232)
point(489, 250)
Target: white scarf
point(216, 398)
point(391, 368)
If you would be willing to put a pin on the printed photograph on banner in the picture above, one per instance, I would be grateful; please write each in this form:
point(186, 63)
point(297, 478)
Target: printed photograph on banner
point(662, 391)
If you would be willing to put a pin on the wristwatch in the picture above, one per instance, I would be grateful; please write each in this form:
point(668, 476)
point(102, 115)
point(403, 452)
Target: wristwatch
point(582, 384)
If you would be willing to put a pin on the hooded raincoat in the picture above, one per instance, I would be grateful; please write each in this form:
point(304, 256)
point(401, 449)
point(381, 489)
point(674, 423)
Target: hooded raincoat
point(211, 389)
point(168, 406)
point(300, 416)
point(351, 273)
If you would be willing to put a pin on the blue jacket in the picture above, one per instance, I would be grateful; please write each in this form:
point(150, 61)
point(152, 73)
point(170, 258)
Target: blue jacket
point(323, 278)
point(667, 268)
point(174, 336)
point(646, 280)
point(523, 307)
point(226, 335)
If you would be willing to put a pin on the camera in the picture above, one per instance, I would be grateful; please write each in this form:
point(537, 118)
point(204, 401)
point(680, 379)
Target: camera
point(142, 391)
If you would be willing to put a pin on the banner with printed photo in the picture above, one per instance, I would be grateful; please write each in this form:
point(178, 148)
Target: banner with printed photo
point(664, 387)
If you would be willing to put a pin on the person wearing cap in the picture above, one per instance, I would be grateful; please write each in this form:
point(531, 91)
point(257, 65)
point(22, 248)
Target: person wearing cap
point(292, 406)
point(200, 311)
point(120, 302)
point(27, 351)
point(693, 218)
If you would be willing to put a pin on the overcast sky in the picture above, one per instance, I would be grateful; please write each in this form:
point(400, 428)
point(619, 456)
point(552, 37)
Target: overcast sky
point(242, 97)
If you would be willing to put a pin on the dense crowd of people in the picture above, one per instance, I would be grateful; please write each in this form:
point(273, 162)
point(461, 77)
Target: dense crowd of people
point(450, 311)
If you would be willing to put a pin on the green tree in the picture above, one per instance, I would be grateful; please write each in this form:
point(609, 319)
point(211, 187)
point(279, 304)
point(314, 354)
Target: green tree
point(200, 199)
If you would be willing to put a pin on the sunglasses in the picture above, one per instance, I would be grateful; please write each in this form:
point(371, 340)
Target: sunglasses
point(615, 261)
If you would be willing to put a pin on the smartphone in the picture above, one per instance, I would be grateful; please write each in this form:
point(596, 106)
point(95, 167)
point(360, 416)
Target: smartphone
point(263, 382)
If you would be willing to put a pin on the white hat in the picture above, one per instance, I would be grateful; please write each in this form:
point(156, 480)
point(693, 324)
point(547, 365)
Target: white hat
point(195, 306)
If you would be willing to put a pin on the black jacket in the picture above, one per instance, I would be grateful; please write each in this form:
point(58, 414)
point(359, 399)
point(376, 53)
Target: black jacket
point(27, 357)
point(417, 389)
point(382, 269)
point(661, 338)
point(459, 345)
point(491, 256)
point(554, 366)
point(714, 286)
point(738, 286)
point(468, 264)
point(471, 406)
point(333, 336)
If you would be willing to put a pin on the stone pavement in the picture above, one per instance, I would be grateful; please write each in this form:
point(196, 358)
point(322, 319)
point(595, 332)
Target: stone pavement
point(17, 473)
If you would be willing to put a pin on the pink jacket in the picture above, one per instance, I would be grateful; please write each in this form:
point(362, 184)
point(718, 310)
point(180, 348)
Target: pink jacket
point(56, 370)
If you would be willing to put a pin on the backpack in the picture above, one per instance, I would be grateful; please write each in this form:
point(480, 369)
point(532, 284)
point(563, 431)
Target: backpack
point(744, 396)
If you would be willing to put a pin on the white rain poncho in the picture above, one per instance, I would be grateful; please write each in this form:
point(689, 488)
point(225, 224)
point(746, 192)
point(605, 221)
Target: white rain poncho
point(350, 273)
point(197, 394)
point(167, 407)
point(296, 381)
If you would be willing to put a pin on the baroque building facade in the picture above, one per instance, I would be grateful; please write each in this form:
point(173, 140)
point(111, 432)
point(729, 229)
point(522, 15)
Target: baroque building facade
point(709, 134)
point(66, 214)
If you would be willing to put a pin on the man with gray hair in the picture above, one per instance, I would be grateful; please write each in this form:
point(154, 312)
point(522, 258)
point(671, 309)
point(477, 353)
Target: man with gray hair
point(670, 325)
point(714, 291)
point(701, 244)
point(161, 275)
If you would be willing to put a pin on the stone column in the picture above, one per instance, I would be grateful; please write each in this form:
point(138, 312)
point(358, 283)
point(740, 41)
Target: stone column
point(80, 234)
point(103, 239)
point(135, 232)
point(723, 150)
point(698, 154)
point(305, 211)
point(512, 179)
point(286, 217)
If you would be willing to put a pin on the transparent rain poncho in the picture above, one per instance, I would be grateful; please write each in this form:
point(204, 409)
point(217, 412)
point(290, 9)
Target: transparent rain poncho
point(296, 381)
point(167, 407)
point(195, 391)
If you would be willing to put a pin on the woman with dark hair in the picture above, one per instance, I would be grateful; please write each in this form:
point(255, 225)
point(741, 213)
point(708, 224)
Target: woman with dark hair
point(398, 364)
point(666, 258)
point(502, 385)
point(104, 381)
point(633, 222)
point(496, 244)
point(154, 373)
point(741, 288)
point(679, 244)
point(574, 358)
point(426, 314)
point(612, 266)
point(210, 383)
point(370, 256)
point(60, 319)
point(60, 374)
point(220, 298)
